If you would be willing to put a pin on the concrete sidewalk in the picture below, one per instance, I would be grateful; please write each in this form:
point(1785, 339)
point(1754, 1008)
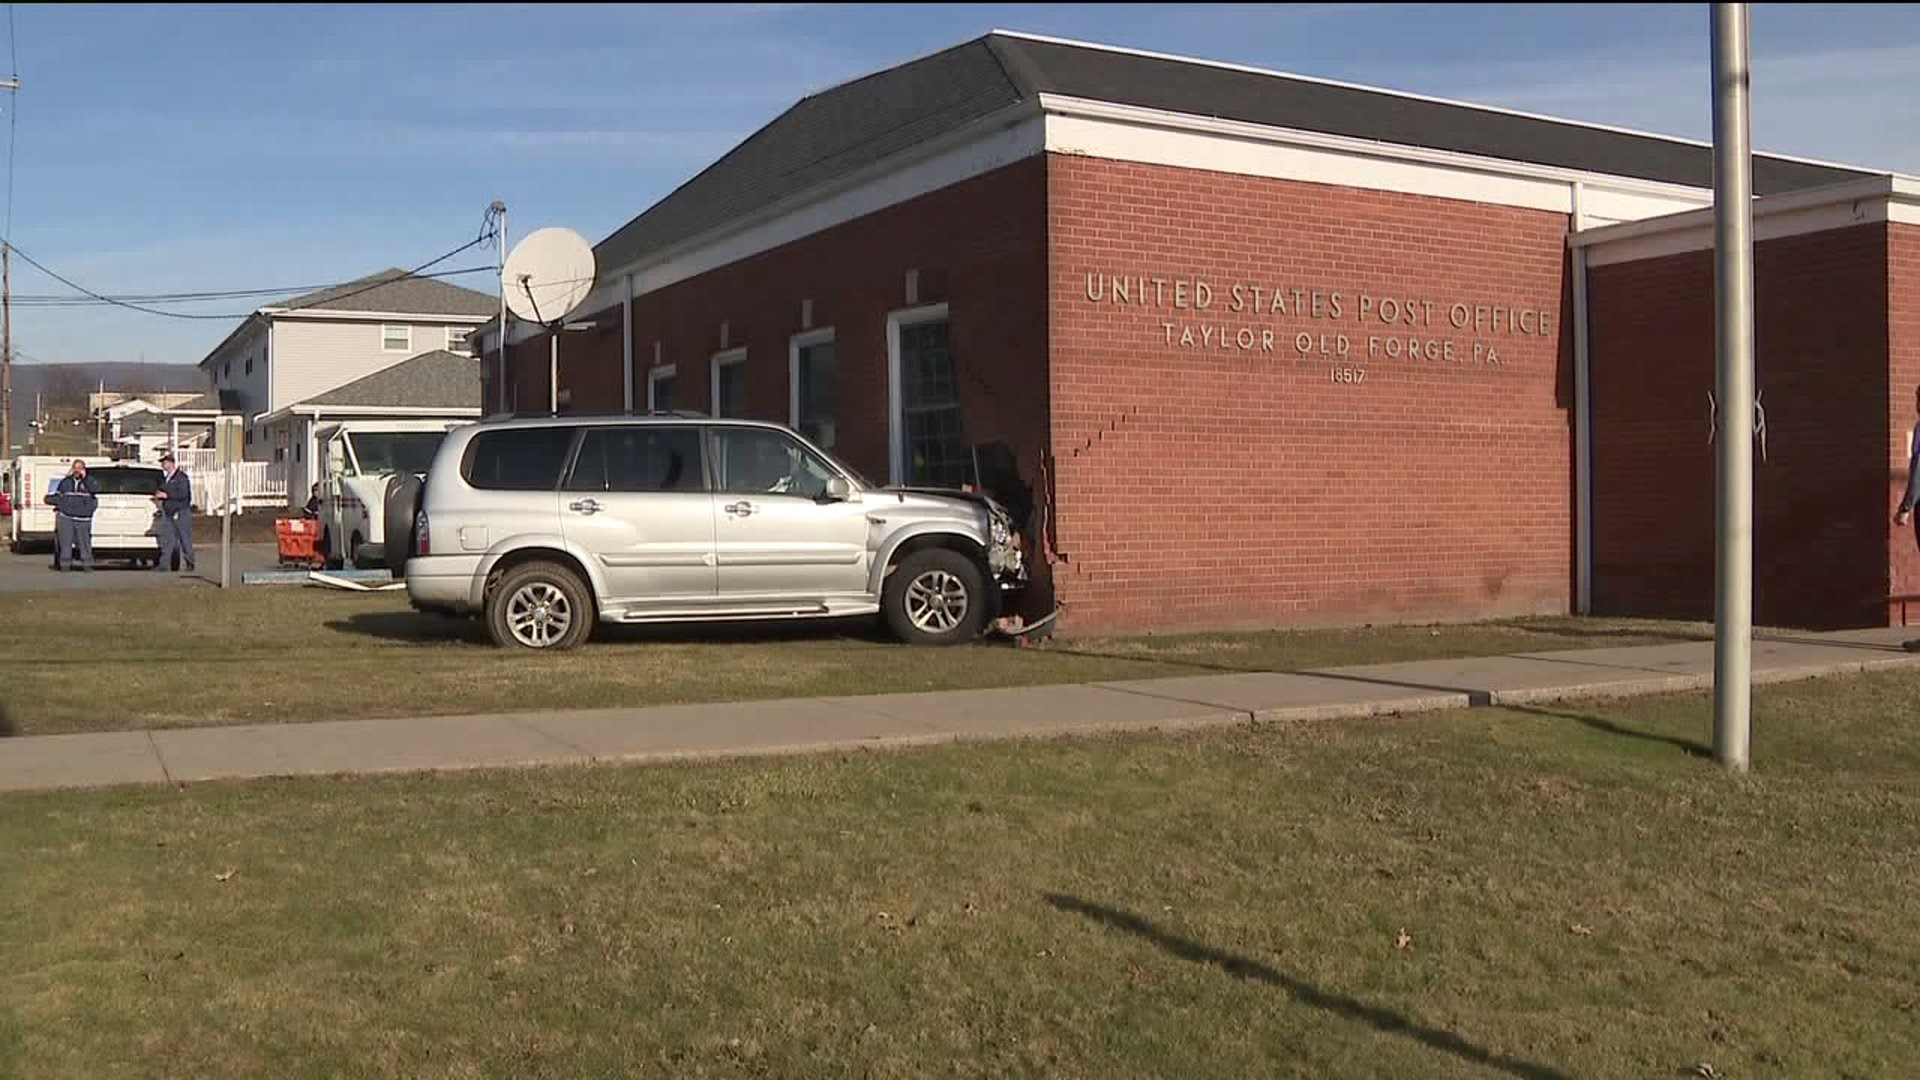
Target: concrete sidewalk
point(815, 724)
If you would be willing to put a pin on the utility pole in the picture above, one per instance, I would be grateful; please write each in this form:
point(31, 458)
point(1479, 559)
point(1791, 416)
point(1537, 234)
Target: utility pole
point(6, 349)
point(500, 208)
point(1733, 338)
point(6, 318)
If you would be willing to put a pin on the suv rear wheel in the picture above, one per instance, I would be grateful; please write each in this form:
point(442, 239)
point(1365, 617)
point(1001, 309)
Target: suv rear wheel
point(539, 605)
point(935, 596)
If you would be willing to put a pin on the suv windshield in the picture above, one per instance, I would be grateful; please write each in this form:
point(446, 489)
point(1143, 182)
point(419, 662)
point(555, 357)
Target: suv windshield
point(395, 451)
point(124, 480)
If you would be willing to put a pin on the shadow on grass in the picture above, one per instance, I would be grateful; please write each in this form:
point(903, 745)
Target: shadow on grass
point(7, 730)
point(1602, 724)
point(1385, 1020)
point(419, 628)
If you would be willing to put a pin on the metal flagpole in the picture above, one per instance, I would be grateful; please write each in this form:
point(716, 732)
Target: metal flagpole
point(1733, 296)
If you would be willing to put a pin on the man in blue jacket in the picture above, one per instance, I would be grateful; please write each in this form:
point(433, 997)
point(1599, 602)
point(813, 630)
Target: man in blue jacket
point(75, 498)
point(175, 498)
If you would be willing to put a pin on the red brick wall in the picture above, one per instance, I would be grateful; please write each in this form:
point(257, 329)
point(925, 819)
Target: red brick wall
point(1903, 376)
point(1821, 520)
point(1202, 487)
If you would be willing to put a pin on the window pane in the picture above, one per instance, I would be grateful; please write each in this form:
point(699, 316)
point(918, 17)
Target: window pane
point(732, 399)
point(525, 459)
point(753, 461)
point(663, 393)
point(638, 459)
point(819, 378)
point(395, 337)
point(936, 448)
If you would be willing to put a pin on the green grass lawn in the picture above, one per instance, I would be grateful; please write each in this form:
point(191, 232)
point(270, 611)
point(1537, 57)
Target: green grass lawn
point(1581, 895)
point(187, 657)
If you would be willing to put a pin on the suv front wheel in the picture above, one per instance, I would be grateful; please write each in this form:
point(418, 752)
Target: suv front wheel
point(936, 596)
point(539, 605)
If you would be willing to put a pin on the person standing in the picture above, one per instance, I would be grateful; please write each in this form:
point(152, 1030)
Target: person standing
point(176, 515)
point(75, 498)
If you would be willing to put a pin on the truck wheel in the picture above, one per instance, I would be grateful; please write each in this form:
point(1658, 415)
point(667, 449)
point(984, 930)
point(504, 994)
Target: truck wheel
point(541, 606)
point(935, 596)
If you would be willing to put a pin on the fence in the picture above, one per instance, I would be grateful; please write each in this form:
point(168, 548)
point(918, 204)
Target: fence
point(257, 483)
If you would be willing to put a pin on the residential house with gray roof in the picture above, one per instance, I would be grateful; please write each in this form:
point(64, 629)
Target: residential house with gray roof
point(285, 355)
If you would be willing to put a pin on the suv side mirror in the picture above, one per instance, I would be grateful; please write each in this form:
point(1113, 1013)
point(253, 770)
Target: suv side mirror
point(838, 490)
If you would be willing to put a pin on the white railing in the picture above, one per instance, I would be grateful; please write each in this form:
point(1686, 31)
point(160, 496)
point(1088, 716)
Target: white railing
point(256, 483)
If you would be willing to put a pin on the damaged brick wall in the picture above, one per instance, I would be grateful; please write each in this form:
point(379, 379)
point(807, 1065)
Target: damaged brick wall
point(1202, 485)
point(1821, 516)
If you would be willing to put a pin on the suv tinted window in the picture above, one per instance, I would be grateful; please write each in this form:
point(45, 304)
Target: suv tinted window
point(518, 459)
point(638, 459)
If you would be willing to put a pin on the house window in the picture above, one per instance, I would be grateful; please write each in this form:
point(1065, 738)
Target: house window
point(730, 383)
point(396, 338)
point(249, 365)
point(660, 389)
point(226, 369)
point(457, 338)
point(927, 443)
point(814, 377)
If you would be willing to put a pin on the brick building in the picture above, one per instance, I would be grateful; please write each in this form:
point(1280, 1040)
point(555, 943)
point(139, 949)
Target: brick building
point(1243, 348)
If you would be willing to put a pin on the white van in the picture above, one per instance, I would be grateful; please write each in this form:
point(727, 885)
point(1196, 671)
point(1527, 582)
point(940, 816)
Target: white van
point(123, 523)
point(357, 459)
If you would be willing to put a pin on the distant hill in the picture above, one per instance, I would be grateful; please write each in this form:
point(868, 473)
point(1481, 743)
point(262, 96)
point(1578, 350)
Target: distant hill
point(66, 386)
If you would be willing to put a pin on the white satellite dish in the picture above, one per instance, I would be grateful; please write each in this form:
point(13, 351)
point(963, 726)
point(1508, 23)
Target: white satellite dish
point(549, 273)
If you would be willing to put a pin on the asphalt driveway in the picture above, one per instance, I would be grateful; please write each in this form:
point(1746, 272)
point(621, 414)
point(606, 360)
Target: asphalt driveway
point(34, 573)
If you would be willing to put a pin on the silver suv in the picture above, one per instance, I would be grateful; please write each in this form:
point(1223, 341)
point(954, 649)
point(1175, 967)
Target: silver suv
point(544, 526)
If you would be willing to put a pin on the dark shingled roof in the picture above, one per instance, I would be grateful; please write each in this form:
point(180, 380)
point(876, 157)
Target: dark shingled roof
point(839, 131)
point(433, 380)
point(395, 291)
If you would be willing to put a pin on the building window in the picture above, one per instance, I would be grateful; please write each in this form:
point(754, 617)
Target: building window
point(730, 383)
point(396, 338)
point(660, 389)
point(249, 365)
point(226, 369)
point(457, 338)
point(813, 374)
point(928, 445)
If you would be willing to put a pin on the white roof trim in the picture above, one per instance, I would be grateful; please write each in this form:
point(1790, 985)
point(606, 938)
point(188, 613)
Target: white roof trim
point(1247, 132)
point(372, 316)
point(1403, 94)
point(1870, 200)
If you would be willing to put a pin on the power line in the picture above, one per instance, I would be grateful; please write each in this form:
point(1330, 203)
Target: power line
point(83, 300)
point(328, 297)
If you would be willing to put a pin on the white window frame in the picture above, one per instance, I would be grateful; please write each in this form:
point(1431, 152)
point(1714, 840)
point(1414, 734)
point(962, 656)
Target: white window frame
point(464, 346)
point(723, 359)
point(794, 344)
point(654, 375)
point(896, 407)
point(407, 346)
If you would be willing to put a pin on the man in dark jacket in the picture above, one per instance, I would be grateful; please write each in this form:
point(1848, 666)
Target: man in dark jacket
point(75, 498)
point(175, 499)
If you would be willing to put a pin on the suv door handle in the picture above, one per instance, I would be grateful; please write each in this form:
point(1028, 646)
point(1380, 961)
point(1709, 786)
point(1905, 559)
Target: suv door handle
point(585, 506)
point(742, 508)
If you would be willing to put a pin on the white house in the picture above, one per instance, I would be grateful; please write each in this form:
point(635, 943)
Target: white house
point(433, 389)
point(290, 353)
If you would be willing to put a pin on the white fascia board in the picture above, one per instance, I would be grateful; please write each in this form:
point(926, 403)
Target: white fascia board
point(1869, 200)
point(1154, 136)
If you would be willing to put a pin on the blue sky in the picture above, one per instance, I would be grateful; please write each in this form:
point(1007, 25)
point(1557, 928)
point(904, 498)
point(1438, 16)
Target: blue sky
point(171, 148)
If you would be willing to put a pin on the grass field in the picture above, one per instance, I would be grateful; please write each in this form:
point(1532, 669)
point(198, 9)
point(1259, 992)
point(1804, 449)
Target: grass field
point(1534, 894)
point(178, 658)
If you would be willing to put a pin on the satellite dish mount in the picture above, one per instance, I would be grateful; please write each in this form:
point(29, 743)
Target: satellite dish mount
point(548, 275)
